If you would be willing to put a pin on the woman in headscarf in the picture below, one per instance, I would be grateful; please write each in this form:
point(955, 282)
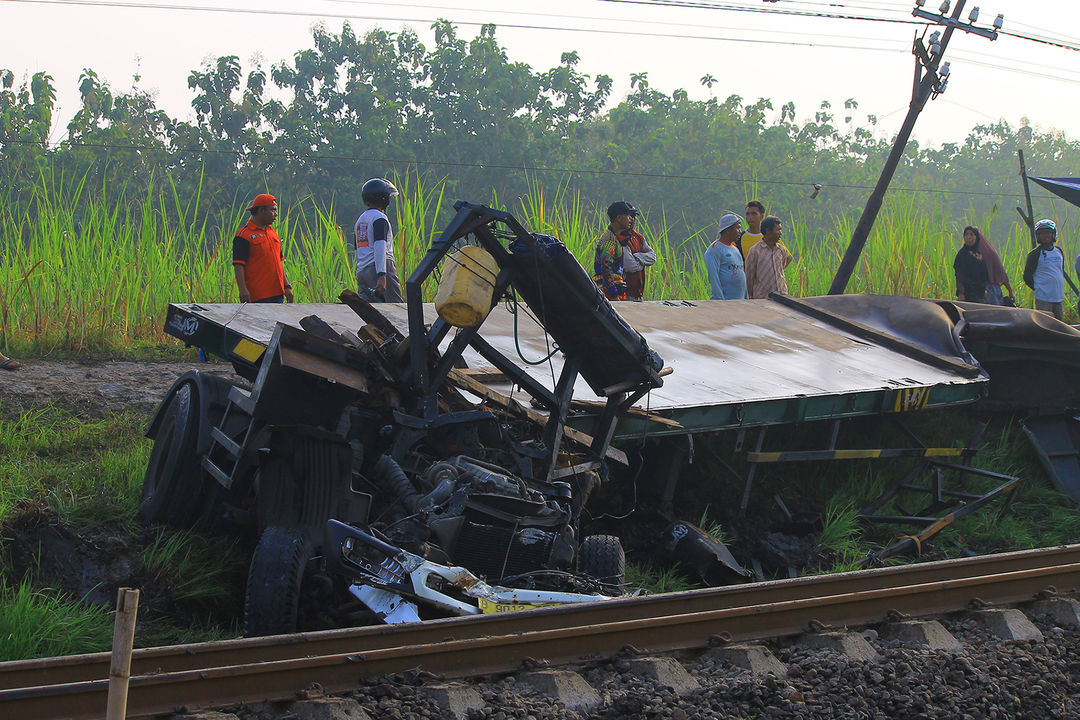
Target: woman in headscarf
point(996, 275)
point(970, 267)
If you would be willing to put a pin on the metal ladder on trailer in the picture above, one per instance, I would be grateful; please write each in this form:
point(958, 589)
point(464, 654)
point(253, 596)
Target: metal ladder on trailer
point(224, 457)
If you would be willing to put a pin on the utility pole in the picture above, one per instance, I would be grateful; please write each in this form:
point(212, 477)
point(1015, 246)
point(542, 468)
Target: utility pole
point(931, 77)
point(1029, 219)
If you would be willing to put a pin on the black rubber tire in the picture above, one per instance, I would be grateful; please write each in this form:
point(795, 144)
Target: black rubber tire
point(603, 559)
point(272, 604)
point(173, 483)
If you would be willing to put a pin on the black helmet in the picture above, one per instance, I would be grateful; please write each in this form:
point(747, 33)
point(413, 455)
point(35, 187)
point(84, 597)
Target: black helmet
point(378, 191)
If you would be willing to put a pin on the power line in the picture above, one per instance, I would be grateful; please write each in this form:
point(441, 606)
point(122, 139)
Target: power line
point(470, 23)
point(1013, 21)
point(974, 57)
point(971, 109)
point(1006, 68)
point(1054, 43)
point(715, 6)
point(607, 20)
point(879, 7)
point(607, 31)
point(493, 166)
point(703, 5)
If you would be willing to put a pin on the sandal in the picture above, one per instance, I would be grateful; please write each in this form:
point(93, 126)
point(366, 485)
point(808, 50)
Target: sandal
point(10, 364)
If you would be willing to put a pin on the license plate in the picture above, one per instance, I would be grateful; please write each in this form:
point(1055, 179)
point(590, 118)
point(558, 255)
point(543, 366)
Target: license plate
point(487, 607)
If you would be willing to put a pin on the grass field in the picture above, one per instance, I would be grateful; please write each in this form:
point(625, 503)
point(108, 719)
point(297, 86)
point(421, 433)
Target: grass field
point(91, 270)
point(81, 477)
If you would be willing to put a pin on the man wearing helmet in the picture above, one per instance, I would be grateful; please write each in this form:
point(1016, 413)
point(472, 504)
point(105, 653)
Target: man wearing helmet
point(375, 268)
point(1044, 271)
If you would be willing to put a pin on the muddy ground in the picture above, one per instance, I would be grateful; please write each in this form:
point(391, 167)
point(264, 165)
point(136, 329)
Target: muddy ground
point(94, 387)
point(90, 562)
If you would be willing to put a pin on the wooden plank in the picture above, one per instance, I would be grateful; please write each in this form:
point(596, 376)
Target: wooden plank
point(466, 382)
point(486, 374)
point(322, 367)
point(368, 313)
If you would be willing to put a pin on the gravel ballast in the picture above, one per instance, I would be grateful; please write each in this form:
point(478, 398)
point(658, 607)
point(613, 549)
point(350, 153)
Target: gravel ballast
point(989, 679)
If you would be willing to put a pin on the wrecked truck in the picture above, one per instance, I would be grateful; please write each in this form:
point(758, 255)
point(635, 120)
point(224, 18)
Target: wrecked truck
point(383, 480)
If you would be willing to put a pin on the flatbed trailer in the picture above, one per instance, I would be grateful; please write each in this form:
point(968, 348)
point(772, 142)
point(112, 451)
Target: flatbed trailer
point(736, 364)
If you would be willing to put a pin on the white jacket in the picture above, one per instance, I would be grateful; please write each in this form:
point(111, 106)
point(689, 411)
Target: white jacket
point(633, 262)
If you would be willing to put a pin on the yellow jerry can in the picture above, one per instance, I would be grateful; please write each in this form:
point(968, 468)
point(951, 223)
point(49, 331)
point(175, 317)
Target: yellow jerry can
point(466, 288)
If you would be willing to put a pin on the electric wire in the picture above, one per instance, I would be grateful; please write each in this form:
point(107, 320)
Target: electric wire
point(469, 23)
point(702, 5)
point(607, 20)
point(692, 4)
point(497, 166)
point(884, 44)
point(974, 57)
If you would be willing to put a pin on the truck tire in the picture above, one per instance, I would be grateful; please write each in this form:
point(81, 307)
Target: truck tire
point(272, 604)
point(173, 483)
point(603, 559)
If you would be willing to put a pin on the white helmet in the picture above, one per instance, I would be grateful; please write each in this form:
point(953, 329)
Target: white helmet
point(1046, 224)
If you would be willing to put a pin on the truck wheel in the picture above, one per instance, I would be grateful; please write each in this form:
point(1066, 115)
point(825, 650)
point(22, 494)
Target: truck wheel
point(173, 482)
point(272, 605)
point(602, 558)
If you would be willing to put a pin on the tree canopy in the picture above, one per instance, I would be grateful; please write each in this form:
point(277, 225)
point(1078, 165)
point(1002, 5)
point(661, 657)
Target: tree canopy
point(354, 106)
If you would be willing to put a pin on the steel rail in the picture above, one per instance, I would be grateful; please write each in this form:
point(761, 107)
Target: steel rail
point(672, 627)
point(280, 679)
point(669, 627)
point(175, 658)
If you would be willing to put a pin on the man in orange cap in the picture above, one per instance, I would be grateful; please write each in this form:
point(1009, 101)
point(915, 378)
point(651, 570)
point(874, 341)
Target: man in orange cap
point(257, 256)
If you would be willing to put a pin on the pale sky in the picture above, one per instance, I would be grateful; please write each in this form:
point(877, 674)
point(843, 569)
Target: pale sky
point(802, 59)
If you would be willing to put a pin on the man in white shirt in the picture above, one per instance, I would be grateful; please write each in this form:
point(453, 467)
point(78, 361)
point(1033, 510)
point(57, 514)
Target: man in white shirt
point(1044, 270)
point(375, 268)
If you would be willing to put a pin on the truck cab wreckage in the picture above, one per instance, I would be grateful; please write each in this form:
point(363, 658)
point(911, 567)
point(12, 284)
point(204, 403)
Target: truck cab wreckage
point(361, 461)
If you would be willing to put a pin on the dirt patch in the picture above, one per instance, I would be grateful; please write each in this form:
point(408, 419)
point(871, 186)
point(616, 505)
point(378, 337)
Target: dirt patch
point(93, 388)
point(92, 563)
point(89, 563)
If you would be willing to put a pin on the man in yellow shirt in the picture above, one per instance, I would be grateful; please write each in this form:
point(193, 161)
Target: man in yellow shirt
point(755, 213)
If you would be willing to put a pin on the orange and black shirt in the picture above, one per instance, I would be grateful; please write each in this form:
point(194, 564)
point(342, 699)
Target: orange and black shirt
point(258, 249)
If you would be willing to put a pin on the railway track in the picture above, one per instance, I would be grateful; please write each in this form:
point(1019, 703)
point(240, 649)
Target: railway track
point(251, 670)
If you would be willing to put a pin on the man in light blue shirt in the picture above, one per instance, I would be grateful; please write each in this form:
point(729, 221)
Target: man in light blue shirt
point(724, 262)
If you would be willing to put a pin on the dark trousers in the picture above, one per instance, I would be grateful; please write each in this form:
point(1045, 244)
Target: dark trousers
point(635, 284)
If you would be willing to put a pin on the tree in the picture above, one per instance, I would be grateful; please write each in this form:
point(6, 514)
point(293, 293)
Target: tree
point(25, 121)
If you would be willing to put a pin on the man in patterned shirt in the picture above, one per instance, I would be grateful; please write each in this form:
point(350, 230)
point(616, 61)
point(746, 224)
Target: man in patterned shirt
point(766, 261)
point(610, 249)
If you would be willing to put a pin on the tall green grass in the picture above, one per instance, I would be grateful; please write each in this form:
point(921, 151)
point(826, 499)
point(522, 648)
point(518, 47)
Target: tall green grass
point(44, 622)
point(94, 268)
point(86, 471)
point(85, 474)
point(206, 574)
